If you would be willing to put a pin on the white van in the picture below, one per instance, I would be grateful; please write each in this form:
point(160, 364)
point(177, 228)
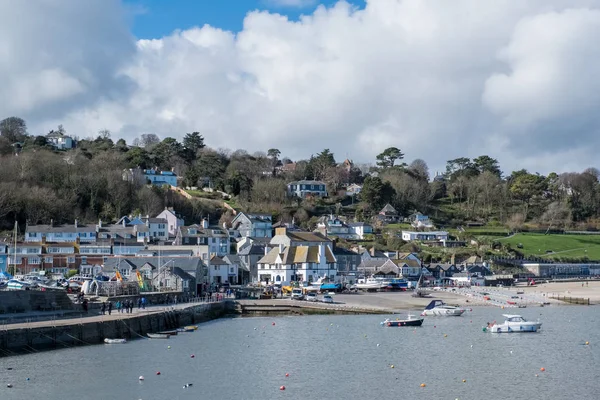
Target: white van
point(297, 294)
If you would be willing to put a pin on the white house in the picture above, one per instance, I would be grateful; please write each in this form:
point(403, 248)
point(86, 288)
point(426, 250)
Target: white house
point(255, 225)
point(173, 221)
point(297, 263)
point(353, 189)
point(307, 188)
point(60, 140)
point(410, 236)
point(419, 220)
point(220, 271)
point(361, 229)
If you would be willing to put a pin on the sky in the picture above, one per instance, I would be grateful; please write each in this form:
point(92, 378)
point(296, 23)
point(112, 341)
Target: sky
point(516, 80)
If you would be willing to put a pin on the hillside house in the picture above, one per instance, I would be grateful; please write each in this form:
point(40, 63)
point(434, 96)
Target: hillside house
point(253, 225)
point(306, 188)
point(174, 221)
point(410, 236)
point(216, 238)
point(60, 141)
point(160, 178)
point(297, 263)
point(388, 215)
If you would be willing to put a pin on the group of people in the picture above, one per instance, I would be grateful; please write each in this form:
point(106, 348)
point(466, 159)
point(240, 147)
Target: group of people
point(122, 306)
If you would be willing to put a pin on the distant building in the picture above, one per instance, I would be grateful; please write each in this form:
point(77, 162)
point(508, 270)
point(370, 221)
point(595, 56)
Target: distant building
point(361, 229)
point(253, 225)
point(3, 258)
point(388, 214)
point(331, 225)
point(160, 178)
point(174, 222)
point(410, 236)
point(353, 189)
point(419, 220)
point(59, 140)
point(216, 238)
point(297, 263)
point(307, 188)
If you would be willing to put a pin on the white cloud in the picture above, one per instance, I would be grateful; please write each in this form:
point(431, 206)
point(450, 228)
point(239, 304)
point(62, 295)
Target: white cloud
point(438, 79)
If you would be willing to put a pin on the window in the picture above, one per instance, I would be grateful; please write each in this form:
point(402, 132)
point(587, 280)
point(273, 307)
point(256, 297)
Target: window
point(33, 251)
point(71, 260)
point(213, 240)
point(34, 260)
point(104, 259)
point(84, 259)
point(231, 270)
point(58, 234)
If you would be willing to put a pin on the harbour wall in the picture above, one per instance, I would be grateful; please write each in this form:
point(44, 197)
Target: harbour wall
point(22, 301)
point(69, 333)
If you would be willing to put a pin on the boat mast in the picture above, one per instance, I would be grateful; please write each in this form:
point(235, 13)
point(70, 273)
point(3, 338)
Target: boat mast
point(15, 248)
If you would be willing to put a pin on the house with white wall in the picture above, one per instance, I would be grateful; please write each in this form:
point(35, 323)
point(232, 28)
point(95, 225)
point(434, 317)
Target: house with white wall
point(410, 236)
point(174, 222)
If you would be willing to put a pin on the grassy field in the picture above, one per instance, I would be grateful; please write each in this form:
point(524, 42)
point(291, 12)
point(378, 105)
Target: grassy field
point(560, 246)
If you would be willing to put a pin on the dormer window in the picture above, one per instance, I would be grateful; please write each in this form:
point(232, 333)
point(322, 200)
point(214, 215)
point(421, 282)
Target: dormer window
point(193, 231)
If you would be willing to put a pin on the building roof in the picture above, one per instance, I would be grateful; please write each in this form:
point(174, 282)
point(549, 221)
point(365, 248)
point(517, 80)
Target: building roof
point(306, 182)
point(60, 228)
point(216, 260)
point(211, 231)
point(408, 261)
point(353, 224)
point(388, 209)
point(185, 263)
point(253, 249)
point(340, 251)
point(296, 255)
point(307, 236)
point(181, 273)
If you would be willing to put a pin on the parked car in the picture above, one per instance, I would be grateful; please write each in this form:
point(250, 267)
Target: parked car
point(297, 294)
point(311, 297)
point(327, 299)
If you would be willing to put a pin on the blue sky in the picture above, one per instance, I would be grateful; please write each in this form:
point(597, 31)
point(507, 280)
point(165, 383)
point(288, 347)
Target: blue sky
point(157, 18)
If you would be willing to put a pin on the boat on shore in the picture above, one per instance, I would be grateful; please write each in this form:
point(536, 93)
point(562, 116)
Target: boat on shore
point(411, 320)
point(171, 332)
point(191, 327)
point(513, 324)
point(115, 341)
point(158, 336)
point(437, 308)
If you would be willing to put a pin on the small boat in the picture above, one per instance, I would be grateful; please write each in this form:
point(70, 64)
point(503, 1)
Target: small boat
point(158, 336)
point(513, 324)
point(410, 321)
point(439, 308)
point(191, 327)
point(185, 330)
point(115, 341)
point(171, 332)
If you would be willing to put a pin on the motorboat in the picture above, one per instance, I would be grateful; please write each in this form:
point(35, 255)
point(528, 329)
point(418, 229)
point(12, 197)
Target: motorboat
point(115, 341)
point(185, 330)
point(158, 336)
point(16, 284)
point(192, 327)
point(439, 308)
point(513, 324)
point(369, 284)
point(171, 332)
point(411, 320)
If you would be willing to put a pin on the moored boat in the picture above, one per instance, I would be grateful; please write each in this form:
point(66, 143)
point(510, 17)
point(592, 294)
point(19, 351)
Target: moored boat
point(158, 336)
point(513, 324)
point(171, 332)
point(439, 308)
point(411, 320)
point(191, 327)
point(115, 341)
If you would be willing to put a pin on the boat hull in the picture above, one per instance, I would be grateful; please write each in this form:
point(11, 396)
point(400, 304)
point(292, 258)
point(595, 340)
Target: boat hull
point(115, 341)
point(410, 322)
point(158, 336)
point(515, 328)
point(443, 312)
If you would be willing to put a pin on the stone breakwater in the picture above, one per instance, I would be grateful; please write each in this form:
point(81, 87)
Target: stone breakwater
point(46, 335)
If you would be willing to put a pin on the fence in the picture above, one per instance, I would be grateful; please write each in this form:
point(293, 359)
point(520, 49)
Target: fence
point(572, 300)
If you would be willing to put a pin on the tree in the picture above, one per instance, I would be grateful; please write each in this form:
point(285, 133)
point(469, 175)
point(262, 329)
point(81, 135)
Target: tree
point(319, 164)
point(526, 186)
point(389, 156)
point(557, 214)
point(104, 134)
point(138, 157)
point(461, 166)
point(487, 163)
point(273, 154)
point(419, 169)
point(192, 144)
point(14, 129)
point(516, 221)
point(376, 193)
point(148, 140)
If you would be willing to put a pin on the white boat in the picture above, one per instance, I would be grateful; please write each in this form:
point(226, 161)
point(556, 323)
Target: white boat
point(17, 285)
point(158, 336)
point(370, 284)
point(439, 308)
point(115, 341)
point(514, 324)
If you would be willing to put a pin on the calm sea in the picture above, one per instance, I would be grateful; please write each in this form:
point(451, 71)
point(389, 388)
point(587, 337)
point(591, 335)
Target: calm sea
point(329, 357)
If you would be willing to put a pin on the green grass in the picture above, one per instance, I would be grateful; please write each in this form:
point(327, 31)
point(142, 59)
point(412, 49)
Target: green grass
point(562, 246)
point(390, 227)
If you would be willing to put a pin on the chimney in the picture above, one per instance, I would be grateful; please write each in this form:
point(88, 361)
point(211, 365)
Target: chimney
point(124, 223)
point(99, 223)
point(266, 250)
point(322, 258)
point(281, 247)
point(76, 226)
point(204, 223)
point(51, 222)
point(281, 231)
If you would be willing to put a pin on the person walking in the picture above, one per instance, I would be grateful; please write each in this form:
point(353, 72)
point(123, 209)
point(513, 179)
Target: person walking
point(118, 306)
point(140, 303)
point(143, 303)
point(103, 308)
point(109, 307)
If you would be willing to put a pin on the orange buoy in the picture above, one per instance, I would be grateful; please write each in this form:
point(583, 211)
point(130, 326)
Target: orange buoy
point(542, 369)
point(587, 343)
point(423, 385)
point(282, 387)
point(287, 375)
